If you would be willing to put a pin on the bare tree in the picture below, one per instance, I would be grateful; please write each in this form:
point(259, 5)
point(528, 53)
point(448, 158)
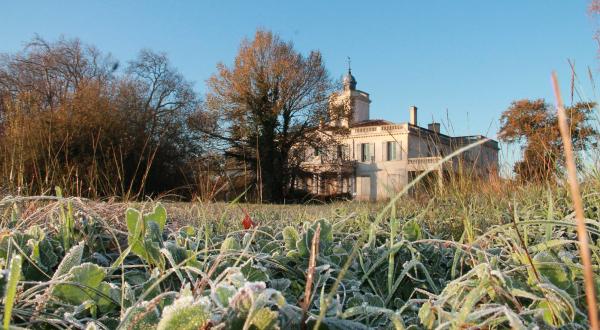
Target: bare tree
point(70, 118)
point(164, 100)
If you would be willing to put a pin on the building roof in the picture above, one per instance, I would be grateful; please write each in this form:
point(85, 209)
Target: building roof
point(349, 80)
point(371, 122)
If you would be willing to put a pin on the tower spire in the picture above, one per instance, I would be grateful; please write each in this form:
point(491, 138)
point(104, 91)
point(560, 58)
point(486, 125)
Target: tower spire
point(349, 81)
point(349, 64)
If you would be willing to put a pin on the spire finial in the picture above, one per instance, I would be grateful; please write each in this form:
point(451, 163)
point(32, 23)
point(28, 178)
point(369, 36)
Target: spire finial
point(349, 62)
point(349, 81)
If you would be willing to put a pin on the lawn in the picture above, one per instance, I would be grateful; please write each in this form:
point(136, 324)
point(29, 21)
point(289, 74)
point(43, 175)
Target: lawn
point(490, 258)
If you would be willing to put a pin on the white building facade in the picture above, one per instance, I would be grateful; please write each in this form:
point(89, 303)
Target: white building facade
point(374, 159)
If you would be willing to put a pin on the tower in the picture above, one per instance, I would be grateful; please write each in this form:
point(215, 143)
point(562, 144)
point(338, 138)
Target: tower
point(355, 101)
point(349, 81)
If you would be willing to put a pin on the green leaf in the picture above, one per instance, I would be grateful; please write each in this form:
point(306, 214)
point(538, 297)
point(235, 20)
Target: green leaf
point(91, 326)
point(229, 244)
point(223, 293)
point(354, 302)
point(107, 290)
point(158, 216)
point(290, 237)
point(187, 231)
point(254, 274)
point(331, 323)
point(280, 284)
point(427, 315)
point(14, 274)
point(185, 314)
point(140, 318)
point(153, 232)
point(132, 218)
point(553, 314)
point(34, 245)
point(71, 259)
point(48, 258)
point(263, 319)
point(178, 253)
point(325, 238)
point(374, 300)
point(553, 269)
point(85, 278)
point(411, 231)
point(42, 250)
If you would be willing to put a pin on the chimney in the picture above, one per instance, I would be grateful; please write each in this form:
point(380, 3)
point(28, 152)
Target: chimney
point(434, 127)
point(413, 115)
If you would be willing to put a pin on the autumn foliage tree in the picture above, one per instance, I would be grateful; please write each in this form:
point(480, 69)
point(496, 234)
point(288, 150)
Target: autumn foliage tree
point(533, 124)
point(69, 117)
point(270, 99)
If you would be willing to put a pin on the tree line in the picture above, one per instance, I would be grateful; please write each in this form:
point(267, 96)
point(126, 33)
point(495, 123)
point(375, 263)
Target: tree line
point(75, 117)
point(71, 117)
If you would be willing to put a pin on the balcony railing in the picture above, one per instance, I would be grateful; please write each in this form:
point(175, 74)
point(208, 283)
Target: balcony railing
point(424, 160)
point(423, 163)
point(321, 164)
point(364, 129)
point(382, 129)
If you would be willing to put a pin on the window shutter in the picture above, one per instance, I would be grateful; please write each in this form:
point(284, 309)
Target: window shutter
point(384, 153)
point(400, 150)
point(358, 152)
point(372, 152)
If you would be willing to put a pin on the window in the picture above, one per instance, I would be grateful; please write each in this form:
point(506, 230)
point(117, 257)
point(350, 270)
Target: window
point(365, 152)
point(342, 151)
point(391, 150)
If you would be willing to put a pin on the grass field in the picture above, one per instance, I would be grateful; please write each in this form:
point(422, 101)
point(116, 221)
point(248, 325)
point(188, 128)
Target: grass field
point(501, 257)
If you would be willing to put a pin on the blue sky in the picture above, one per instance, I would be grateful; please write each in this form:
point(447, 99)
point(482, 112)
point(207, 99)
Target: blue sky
point(468, 58)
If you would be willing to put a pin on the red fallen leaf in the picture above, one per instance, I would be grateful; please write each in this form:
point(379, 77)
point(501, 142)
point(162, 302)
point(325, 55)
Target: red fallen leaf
point(247, 222)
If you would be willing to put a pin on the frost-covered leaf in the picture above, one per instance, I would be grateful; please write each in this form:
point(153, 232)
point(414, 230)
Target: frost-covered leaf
point(554, 270)
point(427, 315)
point(325, 238)
point(230, 244)
point(145, 233)
point(108, 297)
point(185, 314)
point(411, 231)
point(263, 319)
point(142, 317)
point(71, 259)
point(158, 216)
point(331, 323)
point(255, 273)
point(280, 284)
point(82, 280)
point(222, 294)
point(373, 300)
point(290, 237)
point(91, 326)
point(134, 221)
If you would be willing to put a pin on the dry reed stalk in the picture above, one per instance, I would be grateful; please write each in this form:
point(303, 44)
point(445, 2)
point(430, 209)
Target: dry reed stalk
point(588, 274)
point(312, 261)
point(201, 283)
